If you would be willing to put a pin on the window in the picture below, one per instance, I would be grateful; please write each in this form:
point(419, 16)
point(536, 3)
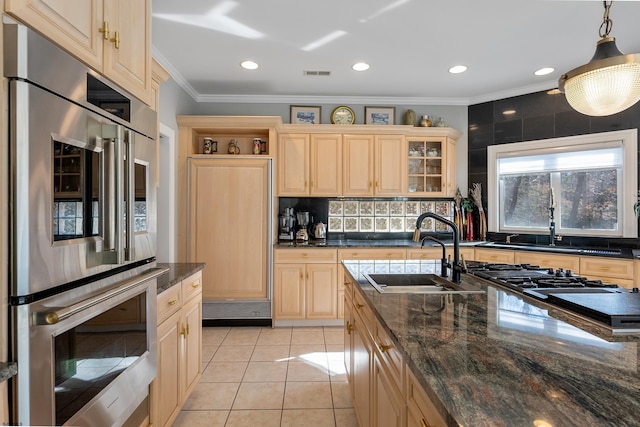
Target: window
point(590, 180)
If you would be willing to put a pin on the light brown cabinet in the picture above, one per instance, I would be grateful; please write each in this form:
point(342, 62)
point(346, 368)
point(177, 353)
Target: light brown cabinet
point(373, 165)
point(309, 164)
point(431, 163)
point(384, 392)
point(228, 200)
point(179, 349)
point(111, 36)
point(494, 255)
point(567, 262)
point(305, 284)
point(611, 270)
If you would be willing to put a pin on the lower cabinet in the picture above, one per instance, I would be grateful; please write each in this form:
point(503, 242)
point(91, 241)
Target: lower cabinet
point(179, 349)
point(305, 287)
point(385, 393)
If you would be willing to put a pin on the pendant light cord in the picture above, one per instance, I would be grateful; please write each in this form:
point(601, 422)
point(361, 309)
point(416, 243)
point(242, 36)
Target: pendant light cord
point(607, 23)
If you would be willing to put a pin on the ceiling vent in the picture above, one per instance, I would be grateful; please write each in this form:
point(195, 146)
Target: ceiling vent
point(316, 73)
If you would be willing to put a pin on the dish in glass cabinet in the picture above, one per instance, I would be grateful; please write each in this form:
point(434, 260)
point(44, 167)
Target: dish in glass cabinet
point(366, 208)
point(350, 208)
point(366, 223)
point(351, 223)
point(335, 207)
point(382, 208)
point(396, 208)
point(335, 224)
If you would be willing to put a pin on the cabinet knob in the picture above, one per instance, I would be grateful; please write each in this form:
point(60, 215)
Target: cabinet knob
point(104, 30)
point(196, 285)
point(172, 302)
point(116, 40)
point(384, 347)
point(359, 306)
point(349, 327)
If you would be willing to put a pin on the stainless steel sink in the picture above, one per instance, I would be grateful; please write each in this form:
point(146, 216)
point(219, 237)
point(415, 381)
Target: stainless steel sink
point(418, 284)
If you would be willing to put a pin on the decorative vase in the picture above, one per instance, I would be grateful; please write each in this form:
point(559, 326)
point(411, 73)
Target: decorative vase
point(410, 117)
point(425, 122)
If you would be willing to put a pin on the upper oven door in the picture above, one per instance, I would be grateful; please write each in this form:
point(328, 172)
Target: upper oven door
point(81, 193)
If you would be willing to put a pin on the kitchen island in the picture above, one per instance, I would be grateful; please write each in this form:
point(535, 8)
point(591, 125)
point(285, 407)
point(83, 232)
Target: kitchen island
point(499, 359)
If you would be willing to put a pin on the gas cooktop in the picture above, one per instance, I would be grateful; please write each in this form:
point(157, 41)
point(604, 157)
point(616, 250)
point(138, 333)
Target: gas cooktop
point(608, 303)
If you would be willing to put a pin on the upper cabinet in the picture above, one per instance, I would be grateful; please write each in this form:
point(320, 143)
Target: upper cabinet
point(111, 36)
point(431, 166)
point(309, 164)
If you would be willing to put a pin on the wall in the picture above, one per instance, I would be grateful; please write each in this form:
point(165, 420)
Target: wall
point(537, 116)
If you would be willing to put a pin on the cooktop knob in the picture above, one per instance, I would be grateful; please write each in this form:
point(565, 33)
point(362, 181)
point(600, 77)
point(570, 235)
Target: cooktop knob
point(568, 273)
point(560, 272)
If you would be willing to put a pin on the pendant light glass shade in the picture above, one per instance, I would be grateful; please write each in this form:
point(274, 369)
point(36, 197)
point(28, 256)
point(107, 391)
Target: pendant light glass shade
point(608, 84)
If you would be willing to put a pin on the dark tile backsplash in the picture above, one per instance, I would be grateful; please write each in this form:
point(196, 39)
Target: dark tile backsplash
point(538, 116)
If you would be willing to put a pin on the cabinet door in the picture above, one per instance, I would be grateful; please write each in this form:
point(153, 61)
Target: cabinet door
point(321, 291)
point(361, 357)
point(228, 204)
point(128, 62)
point(348, 339)
point(388, 405)
point(165, 389)
point(390, 161)
point(326, 165)
point(358, 154)
point(293, 165)
point(288, 291)
point(72, 24)
point(450, 164)
point(494, 255)
point(192, 352)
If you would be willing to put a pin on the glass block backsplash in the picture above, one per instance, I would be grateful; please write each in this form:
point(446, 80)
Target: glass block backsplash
point(386, 215)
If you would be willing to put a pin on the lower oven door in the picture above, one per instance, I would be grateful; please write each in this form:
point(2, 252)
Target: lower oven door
point(87, 360)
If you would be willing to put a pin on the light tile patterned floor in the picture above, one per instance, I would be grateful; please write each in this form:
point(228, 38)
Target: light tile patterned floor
point(271, 377)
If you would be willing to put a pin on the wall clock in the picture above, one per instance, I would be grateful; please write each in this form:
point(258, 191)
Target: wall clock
point(343, 115)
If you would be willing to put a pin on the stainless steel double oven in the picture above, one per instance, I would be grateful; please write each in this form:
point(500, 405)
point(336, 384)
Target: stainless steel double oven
point(83, 236)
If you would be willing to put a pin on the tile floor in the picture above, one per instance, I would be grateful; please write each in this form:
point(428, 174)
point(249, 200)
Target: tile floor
point(271, 377)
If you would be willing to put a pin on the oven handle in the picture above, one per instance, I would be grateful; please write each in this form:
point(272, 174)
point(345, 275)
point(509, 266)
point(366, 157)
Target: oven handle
point(129, 191)
point(53, 317)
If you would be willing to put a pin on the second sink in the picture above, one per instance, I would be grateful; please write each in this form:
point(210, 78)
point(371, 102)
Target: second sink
point(417, 284)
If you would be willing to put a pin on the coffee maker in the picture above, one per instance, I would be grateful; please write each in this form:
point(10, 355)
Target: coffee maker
point(287, 225)
point(302, 235)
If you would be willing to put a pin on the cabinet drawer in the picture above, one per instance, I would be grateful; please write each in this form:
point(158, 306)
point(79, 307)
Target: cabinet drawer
point(390, 355)
point(169, 302)
point(494, 255)
point(421, 410)
point(361, 307)
point(192, 286)
point(625, 283)
point(424, 253)
point(355, 254)
point(606, 267)
point(307, 255)
point(567, 262)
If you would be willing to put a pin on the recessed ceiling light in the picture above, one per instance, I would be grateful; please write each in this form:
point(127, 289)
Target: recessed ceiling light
point(360, 66)
point(544, 71)
point(508, 112)
point(249, 65)
point(457, 69)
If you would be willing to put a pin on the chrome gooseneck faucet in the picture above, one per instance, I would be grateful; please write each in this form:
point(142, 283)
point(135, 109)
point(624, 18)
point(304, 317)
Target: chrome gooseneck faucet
point(456, 268)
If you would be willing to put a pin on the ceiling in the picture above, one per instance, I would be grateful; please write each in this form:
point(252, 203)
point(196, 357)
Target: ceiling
point(409, 44)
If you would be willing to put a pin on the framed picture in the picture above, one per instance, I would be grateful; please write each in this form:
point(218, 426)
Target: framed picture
point(379, 115)
point(306, 115)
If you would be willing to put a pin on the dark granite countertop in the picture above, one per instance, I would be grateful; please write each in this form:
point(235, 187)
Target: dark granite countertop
point(500, 359)
point(177, 272)
point(8, 370)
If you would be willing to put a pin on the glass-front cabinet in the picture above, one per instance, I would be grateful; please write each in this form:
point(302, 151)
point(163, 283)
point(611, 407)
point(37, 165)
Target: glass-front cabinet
point(426, 165)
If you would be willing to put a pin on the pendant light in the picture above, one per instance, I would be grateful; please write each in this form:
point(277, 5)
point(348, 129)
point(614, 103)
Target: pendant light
point(609, 83)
